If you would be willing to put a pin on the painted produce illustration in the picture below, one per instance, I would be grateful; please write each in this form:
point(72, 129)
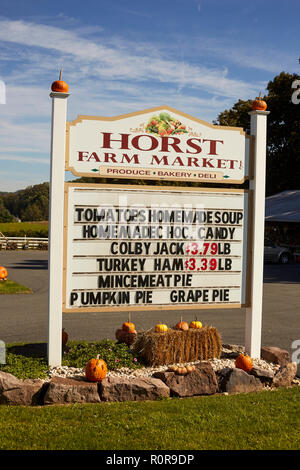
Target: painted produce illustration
point(164, 124)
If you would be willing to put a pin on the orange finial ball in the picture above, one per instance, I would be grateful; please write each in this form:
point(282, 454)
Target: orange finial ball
point(259, 104)
point(60, 85)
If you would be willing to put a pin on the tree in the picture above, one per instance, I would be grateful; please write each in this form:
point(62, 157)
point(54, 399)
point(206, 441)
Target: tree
point(5, 215)
point(29, 204)
point(283, 132)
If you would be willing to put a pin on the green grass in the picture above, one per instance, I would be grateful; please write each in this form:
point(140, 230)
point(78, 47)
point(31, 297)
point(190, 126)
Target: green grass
point(29, 360)
point(26, 361)
point(12, 287)
point(20, 229)
point(261, 421)
point(266, 420)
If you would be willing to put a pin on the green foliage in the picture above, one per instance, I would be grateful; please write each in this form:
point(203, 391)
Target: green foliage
point(283, 133)
point(283, 161)
point(5, 215)
point(30, 360)
point(31, 203)
point(267, 420)
point(24, 364)
point(237, 116)
point(77, 354)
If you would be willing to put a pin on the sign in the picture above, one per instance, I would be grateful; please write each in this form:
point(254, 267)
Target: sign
point(158, 143)
point(134, 247)
point(143, 247)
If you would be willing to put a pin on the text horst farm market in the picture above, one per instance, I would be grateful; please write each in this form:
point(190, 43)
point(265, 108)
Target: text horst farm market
point(122, 148)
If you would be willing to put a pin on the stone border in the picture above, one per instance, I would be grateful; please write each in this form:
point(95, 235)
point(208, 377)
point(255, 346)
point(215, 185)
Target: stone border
point(217, 376)
point(202, 381)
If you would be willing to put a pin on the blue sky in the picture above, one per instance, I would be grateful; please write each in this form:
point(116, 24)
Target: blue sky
point(198, 56)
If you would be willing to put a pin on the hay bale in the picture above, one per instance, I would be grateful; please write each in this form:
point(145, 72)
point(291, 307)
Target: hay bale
point(174, 346)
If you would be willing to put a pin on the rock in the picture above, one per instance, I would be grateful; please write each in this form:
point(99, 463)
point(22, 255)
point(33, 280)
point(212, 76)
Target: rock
point(275, 355)
point(234, 347)
point(265, 376)
point(8, 381)
point(18, 392)
point(63, 390)
point(202, 381)
point(135, 389)
point(238, 381)
point(285, 375)
point(231, 351)
point(221, 375)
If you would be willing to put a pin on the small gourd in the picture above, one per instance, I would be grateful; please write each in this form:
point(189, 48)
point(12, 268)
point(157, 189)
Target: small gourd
point(161, 328)
point(182, 371)
point(182, 325)
point(196, 324)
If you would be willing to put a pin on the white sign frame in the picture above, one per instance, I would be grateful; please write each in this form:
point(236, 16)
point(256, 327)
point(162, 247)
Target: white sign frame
point(257, 176)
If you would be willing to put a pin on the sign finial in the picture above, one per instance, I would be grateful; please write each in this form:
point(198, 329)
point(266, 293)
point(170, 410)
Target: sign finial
point(59, 85)
point(259, 104)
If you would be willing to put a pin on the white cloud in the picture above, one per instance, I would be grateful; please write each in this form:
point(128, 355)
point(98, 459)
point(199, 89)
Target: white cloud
point(109, 76)
point(17, 158)
point(111, 62)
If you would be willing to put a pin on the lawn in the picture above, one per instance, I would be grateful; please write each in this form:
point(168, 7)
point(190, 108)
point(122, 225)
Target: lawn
point(261, 421)
point(20, 229)
point(12, 287)
point(266, 420)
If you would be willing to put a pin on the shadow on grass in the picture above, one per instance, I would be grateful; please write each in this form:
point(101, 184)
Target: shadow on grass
point(38, 350)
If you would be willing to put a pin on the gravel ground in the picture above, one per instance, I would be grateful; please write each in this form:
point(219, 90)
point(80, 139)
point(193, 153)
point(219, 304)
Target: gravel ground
point(217, 364)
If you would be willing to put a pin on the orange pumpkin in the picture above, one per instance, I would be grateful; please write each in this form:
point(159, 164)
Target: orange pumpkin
point(3, 273)
point(60, 85)
point(95, 370)
point(127, 337)
point(128, 325)
point(243, 361)
point(259, 104)
point(161, 328)
point(64, 337)
point(182, 325)
point(197, 325)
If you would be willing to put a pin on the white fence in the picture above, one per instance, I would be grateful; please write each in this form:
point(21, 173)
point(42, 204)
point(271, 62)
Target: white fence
point(23, 243)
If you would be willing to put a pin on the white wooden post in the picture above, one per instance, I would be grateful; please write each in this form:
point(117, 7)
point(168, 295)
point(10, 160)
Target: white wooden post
point(55, 256)
point(258, 185)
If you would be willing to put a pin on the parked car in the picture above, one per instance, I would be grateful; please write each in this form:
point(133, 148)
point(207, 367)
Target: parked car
point(274, 253)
